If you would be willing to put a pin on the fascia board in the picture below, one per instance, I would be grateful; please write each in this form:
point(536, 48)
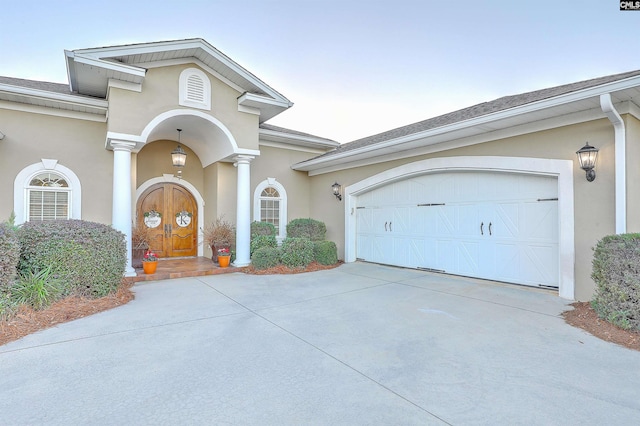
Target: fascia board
point(297, 139)
point(488, 118)
point(185, 44)
point(250, 99)
point(58, 97)
point(136, 72)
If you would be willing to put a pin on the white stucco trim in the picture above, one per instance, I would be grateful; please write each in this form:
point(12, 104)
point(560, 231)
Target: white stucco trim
point(562, 169)
point(178, 112)
point(272, 182)
point(23, 178)
point(168, 178)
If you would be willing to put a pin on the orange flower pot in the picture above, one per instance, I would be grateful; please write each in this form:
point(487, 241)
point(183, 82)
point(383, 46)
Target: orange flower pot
point(224, 261)
point(149, 267)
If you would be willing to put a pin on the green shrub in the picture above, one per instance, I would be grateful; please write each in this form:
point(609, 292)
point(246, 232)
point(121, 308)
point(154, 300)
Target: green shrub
point(9, 256)
point(260, 241)
point(296, 252)
point(262, 228)
point(88, 257)
point(616, 272)
point(8, 307)
point(37, 289)
point(311, 229)
point(325, 252)
point(266, 257)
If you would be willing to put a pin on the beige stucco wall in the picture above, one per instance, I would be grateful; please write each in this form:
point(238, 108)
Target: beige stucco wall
point(276, 163)
point(76, 144)
point(154, 160)
point(130, 112)
point(594, 202)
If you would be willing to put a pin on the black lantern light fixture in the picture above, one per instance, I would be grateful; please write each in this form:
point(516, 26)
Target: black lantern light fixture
point(336, 188)
point(178, 156)
point(587, 156)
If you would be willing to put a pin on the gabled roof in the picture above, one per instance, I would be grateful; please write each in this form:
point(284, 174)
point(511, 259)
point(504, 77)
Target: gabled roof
point(485, 117)
point(90, 70)
point(276, 134)
point(51, 95)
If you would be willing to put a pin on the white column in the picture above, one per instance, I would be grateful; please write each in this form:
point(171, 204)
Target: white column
point(243, 208)
point(121, 214)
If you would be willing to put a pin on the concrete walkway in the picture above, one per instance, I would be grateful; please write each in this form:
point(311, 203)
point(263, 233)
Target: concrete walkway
point(360, 344)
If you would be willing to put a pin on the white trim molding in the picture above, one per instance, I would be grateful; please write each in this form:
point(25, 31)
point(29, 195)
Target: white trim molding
point(561, 169)
point(23, 178)
point(272, 183)
point(169, 178)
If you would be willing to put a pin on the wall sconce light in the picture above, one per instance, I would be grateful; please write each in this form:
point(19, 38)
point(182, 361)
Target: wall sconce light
point(587, 156)
point(336, 188)
point(178, 156)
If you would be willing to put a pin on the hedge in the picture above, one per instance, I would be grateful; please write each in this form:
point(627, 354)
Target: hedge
point(325, 252)
point(266, 257)
point(10, 249)
point(616, 272)
point(296, 252)
point(262, 228)
point(89, 257)
point(311, 229)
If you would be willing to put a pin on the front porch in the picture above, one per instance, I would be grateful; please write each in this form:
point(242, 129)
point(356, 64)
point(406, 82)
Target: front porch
point(182, 268)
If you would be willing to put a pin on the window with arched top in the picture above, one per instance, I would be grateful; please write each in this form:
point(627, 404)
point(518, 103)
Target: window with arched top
point(270, 205)
point(195, 89)
point(46, 191)
point(48, 197)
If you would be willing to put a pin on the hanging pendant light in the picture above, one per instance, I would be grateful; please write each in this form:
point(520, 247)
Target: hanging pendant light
point(178, 155)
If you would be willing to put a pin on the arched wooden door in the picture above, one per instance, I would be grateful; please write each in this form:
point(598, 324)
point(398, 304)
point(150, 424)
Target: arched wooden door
point(171, 213)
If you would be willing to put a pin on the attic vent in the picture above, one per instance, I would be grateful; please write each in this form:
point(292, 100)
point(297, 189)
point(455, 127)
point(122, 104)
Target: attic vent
point(195, 89)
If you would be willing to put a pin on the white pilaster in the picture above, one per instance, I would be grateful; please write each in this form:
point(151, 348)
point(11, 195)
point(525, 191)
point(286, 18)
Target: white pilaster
point(121, 214)
point(243, 215)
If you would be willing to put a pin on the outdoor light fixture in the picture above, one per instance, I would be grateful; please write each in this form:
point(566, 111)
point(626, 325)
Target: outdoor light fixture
point(587, 155)
point(179, 156)
point(336, 187)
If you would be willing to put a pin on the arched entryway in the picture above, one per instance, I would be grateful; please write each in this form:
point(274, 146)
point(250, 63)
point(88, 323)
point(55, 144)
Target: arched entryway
point(170, 212)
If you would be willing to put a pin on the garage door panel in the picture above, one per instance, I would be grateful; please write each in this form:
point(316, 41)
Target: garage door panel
point(484, 224)
point(468, 256)
point(447, 220)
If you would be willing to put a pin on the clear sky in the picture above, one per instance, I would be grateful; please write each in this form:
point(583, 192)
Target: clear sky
point(353, 68)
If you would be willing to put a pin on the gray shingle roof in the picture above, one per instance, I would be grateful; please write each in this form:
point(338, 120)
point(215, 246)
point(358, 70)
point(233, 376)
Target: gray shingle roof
point(41, 85)
point(478, 110)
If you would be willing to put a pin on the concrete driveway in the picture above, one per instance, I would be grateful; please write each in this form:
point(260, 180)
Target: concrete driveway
point(360, 344)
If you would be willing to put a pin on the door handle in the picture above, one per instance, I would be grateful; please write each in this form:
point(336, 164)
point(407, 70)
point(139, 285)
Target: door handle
point(389, 226)
point(385, 227)
point(490, 229)
point(481, 226)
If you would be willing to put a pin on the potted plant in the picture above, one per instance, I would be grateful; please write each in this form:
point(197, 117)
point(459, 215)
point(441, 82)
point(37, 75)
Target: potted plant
point(140, 242)
point(219, 235)
point(224, 257)
point(149, 262)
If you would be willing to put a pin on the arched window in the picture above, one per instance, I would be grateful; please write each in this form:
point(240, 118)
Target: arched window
point(46, 191)
point(195, 89)
point(270, 205)
point(48, 196)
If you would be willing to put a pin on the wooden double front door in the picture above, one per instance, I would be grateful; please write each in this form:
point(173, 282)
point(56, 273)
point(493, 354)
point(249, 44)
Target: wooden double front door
point(170, 213)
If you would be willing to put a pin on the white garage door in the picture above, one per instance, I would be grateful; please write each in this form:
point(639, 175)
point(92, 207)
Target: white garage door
point(498, 226)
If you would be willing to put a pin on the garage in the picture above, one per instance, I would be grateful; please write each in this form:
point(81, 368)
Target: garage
point(495, 225)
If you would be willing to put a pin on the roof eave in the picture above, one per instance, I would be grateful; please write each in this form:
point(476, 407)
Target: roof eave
point(299, 140)
point(522, 110)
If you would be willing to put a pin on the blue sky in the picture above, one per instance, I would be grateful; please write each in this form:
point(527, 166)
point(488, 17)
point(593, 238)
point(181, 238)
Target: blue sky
point(353, 68)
